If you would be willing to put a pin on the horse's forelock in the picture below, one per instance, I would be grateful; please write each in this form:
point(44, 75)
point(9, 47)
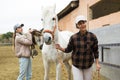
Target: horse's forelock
point(47, 11)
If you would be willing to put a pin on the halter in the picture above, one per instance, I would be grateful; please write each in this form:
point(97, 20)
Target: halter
point(51, 32)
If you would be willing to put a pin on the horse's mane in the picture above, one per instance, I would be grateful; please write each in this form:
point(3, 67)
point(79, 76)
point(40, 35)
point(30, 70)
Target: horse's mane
point(33, 40)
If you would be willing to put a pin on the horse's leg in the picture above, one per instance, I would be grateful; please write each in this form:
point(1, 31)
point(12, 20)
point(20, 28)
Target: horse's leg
point(68, 67)
point(58, 71)
point(46, 68)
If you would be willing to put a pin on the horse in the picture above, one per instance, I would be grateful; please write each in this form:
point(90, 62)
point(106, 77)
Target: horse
point(51, 36)
point(36, 39)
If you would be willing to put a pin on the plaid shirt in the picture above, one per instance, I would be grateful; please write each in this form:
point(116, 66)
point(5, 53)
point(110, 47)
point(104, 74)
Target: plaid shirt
point(84, 49)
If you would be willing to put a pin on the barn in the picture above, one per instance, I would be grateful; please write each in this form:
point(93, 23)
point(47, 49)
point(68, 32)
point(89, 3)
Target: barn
point(104, 20)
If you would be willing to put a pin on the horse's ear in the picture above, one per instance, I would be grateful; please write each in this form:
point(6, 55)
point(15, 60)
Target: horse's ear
point(42, 8)
point(41, 30)
point(54, 6)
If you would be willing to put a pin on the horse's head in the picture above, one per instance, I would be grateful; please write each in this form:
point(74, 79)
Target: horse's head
point(37, 37)
point(49, 22)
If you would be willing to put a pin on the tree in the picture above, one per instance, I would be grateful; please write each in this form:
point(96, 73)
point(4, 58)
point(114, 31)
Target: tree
point(6, 37)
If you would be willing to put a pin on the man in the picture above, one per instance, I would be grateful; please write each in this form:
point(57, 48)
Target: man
point(84, 48)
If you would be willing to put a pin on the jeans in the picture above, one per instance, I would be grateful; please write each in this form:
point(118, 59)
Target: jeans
point(82, 74)
point(25, 68)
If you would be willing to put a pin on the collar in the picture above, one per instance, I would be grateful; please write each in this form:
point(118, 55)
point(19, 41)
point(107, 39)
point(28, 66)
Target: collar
point(83, 33)
point(19, 34)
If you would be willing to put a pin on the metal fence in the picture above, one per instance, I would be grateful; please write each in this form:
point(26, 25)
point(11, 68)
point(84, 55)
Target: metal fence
point(110, 54)
point(5, 44)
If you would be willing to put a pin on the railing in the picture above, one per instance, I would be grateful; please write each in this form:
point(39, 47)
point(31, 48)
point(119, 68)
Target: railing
point(110, 54)
point(5, 44)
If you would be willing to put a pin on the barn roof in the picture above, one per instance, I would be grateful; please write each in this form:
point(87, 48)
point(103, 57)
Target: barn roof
point(69, 8)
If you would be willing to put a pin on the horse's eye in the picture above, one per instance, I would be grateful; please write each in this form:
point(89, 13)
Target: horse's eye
point(53, 19)
point(41, 19)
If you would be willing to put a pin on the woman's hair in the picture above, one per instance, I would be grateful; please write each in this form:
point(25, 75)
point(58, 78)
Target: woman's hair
point(14, 35)
point(76, 26)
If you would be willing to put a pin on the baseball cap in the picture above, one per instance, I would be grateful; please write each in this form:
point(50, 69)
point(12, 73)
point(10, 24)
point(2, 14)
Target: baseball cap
point(80, 18)
point(18, 25)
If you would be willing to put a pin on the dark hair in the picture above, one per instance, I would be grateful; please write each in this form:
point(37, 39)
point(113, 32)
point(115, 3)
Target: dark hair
point(76, 26)
point(14, 35)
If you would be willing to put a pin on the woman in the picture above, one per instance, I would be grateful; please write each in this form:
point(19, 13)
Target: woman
point(22, 45)
point(84, 47)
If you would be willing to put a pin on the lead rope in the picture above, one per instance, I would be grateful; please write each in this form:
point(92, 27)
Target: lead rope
point(32, 47)
point(60, 57)
point(62, 66)
point(96, 75)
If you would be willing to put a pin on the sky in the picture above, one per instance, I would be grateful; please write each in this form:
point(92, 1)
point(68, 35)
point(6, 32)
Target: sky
point(27, 12)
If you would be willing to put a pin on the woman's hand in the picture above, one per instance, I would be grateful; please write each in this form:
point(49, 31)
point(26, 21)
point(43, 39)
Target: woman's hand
point(98, 67)
point(57, 46)
point(97, 64)
point(30, 30)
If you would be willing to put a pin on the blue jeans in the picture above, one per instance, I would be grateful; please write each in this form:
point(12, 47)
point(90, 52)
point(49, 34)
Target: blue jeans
point(25, 68)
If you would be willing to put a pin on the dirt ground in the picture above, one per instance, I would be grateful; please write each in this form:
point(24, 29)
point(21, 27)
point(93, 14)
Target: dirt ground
point(9, 66)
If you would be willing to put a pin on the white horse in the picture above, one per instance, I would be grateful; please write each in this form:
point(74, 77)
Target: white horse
point(51, 36)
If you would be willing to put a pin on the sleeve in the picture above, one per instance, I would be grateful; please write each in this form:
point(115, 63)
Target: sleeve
point(95, 47)
point(69, 47)
point(25, 39)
